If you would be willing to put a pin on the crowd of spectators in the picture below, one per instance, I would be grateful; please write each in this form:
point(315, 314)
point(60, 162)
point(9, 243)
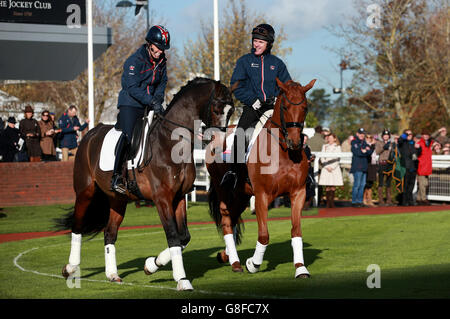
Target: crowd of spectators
point(381, 158)
point(37, 140)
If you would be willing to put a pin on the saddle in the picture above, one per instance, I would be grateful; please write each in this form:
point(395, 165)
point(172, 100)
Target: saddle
point(135, 155)
point(137, 139)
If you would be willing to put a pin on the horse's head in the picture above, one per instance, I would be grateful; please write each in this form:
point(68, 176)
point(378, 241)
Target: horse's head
point(292, 106)
point(220, 107)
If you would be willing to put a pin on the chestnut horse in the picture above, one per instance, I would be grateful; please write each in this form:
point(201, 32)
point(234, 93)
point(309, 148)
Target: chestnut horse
point(164, 179)
point(285, 172)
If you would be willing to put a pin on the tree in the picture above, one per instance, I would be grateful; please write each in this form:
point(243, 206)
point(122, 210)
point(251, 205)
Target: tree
point(319, 104)
point(391, 57)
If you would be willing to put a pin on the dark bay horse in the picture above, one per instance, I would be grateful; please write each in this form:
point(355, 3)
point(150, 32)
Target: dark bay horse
point(276, 165)
point(165, 179)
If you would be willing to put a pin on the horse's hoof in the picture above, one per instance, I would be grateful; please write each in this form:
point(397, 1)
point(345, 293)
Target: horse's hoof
point(222, 257)
point(184, 285)
point(66, 273)
point(251, 267)
point(302, 272)
point(115, 278)
point(147, 272)
point(150, 266)
point(236, 267)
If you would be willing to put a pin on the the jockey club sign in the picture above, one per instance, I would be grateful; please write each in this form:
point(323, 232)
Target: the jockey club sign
point(61, 12)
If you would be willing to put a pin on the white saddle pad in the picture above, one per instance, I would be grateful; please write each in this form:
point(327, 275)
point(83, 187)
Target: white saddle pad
point(107, 155)
point(230, 138)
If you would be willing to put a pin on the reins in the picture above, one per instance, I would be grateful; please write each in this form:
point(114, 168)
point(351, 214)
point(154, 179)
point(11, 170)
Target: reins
point(285, 125)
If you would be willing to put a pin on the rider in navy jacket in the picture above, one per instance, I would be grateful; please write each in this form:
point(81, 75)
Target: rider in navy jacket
point(257, 88)
point(256, 76)
point(144, 81)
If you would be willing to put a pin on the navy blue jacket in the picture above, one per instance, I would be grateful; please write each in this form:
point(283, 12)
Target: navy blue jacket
point(143, 81)
point(68, 135)
point(256, 76)
point(360, 160)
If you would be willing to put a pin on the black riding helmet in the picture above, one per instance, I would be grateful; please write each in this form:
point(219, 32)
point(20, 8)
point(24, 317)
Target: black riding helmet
point(159, 36)
point(386, 132)
point(264, 32)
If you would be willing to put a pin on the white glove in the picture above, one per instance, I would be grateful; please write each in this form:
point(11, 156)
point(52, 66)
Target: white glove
point(257, 104)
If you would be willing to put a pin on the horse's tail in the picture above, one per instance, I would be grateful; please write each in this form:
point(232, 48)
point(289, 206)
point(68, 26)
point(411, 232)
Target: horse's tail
point(214, 211)
point(95, 218)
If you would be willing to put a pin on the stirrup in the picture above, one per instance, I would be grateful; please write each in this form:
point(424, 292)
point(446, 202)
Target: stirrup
point(230, 178)
point(118, 184)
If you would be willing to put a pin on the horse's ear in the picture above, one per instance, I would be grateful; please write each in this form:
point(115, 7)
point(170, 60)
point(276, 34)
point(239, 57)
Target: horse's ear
point(310, 85)
point(281, 85)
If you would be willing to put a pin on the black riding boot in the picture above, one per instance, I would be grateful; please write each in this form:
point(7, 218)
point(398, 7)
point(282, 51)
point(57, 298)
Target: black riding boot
point(118, 183)
point(230, 178)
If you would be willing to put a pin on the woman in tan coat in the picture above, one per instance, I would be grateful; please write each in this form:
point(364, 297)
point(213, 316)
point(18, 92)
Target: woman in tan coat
point(47, 133)
point(331, 175)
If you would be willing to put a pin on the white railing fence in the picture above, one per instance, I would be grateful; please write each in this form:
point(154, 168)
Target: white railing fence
point(439, 181)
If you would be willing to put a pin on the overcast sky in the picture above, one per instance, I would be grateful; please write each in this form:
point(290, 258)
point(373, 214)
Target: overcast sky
point(302, 20)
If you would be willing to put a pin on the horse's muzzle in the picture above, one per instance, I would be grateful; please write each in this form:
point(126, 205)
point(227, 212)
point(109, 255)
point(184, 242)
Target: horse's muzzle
point(293, 146)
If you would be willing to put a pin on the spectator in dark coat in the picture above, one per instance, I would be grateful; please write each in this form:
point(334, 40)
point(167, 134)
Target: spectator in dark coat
point(409, 158)
point(372, 169)
point(9, 141)
point(31, 133)
point(360, 161)
point(383, 148)
point(70, 126)
point(310, 181)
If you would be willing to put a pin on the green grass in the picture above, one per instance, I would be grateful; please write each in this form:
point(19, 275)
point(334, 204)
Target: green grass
point(40, 218)
point(411, 250)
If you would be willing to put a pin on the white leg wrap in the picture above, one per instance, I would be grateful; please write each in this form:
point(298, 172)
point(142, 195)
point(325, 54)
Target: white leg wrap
point(110, 261)
point(258, 256)
point(163, 258)
point(75, 252)
point(297, 247)
point(231, 248)
point(177, 263)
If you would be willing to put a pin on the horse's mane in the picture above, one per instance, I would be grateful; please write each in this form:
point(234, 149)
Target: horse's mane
point(189, 85)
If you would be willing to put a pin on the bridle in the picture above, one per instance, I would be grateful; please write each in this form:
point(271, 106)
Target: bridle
point(285, 125)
